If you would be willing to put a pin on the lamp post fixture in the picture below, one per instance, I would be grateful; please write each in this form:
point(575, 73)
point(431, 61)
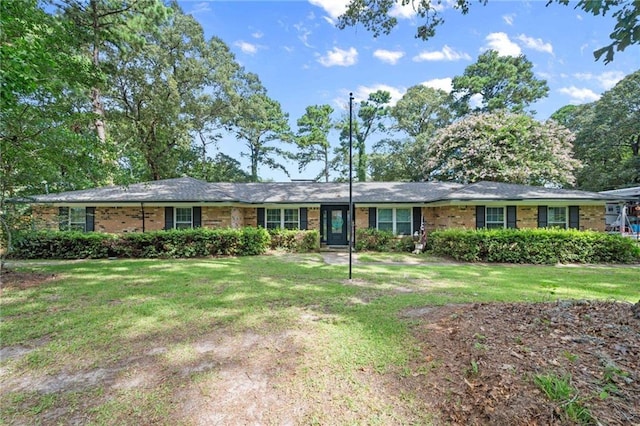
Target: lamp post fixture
point(351, 222)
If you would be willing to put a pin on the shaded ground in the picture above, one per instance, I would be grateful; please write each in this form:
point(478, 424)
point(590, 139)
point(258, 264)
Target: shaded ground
point(477, 365)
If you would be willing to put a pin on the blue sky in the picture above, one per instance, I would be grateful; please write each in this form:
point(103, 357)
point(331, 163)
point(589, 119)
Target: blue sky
point(303, 59)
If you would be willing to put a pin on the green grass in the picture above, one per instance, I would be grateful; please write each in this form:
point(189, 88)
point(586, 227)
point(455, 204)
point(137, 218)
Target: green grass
point(101, 314)
point(559, 389)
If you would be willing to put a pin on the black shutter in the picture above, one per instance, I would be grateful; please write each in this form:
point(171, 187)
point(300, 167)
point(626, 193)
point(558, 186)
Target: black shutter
point(542, 216)
point(574, 217)
point(511, 217)
point(261, 217)
point(303, 218)
point(417, 219)
point(197, 217)
point(373, 220)
point(63, 218)
point(168, 218)
point(89, 219)
point(480, 217)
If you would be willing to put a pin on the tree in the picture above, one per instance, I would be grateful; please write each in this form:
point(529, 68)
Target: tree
point(607, 136)
point(368, 120)
point(168, 93)
point(397, 160)
point(312, 139)
point(502, 82)
point(259, 123)
point(377, 16)
point(104, 25)
point(502, 147)
point(42, 142)
point(422, 110)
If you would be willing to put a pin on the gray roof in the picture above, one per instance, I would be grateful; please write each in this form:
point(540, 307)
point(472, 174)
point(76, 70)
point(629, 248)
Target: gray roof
point(633, 192)
point(187, 189)
point(507, 191)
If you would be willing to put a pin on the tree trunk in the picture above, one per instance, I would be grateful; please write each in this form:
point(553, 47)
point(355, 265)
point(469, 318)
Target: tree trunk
point(96, 98)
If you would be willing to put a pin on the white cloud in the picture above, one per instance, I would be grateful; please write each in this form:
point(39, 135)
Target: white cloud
point(403, 12)
point(248, 48)
point(363, 92)
point(606, 80)
point(339, 57)
point(303, 34)
point(475, 101)
point(535, 44)
point(500, 42)
point(578, 95)
point(199, 8)
point(257, 35)
point(508, 19)
point(334, 8)
point(439, 83)
point(446, 54)
point(388, 56)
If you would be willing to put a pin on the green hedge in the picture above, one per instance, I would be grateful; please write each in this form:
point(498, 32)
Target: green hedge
point(166, 244)
point(371, 239)
point(537, 246)
point(294, 240)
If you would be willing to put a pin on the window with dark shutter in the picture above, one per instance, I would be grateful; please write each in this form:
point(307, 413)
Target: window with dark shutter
point(417, 219)
point(480, 218)
point(168, 218)
point(303, 218)
point(574, 217)
point(197, 217)
point(373, 220)
point(512, 221)
point(260, 214)
point(542, 216)
point(90, 221)
point(63, 218)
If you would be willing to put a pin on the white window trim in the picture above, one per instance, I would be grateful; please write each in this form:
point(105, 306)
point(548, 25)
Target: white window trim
point(282, 217)
point(486, 216)
point(84, 218)
point(175, 217)
point(394, 219)
point(566, 217)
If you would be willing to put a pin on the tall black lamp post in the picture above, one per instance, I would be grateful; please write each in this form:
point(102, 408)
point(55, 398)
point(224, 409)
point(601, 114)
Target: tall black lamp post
point(351, 227)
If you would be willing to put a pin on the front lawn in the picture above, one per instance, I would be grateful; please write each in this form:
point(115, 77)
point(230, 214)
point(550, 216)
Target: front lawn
point(268, 339)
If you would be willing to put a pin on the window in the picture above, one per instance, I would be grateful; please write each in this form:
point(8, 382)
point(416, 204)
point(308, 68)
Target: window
point(494, 217)
point(282, 219)
point(184, 218)
point(557, 217)
point(397, 221)
point(77, 219)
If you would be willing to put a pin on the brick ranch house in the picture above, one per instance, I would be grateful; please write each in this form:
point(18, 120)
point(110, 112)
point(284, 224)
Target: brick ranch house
point(401, 207)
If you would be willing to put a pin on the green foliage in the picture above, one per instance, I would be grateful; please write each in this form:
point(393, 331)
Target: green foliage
point(294, 240)
point(379, 17)
point(371, 239)
point(536, 246)
point(312, 138)
point(560, 389)
point(504, 83)
point(502, 147)
point(607, 138)
point(165, 244)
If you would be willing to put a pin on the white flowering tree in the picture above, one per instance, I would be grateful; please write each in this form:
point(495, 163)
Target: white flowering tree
point(502, 147)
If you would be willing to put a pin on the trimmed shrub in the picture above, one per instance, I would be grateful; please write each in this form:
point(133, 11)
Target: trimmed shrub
point(294, 240)
point(371, 239)
point(537, 246)
point(166, 244)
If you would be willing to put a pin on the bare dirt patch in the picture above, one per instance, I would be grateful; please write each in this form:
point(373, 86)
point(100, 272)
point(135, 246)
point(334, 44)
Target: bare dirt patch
point(22, 280)
point(479, 361)
point(477, 365)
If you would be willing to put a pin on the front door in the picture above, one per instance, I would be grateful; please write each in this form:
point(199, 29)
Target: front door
point(336, 224)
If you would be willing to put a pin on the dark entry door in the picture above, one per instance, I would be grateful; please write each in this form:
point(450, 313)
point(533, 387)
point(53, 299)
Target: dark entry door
point(336, 226)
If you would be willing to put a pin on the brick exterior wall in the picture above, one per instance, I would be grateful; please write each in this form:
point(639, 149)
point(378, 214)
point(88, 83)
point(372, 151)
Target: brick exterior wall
point(444, 217)
point(129, 219)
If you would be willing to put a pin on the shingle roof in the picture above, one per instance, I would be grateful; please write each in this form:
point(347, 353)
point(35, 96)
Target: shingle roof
point(507, 191)
point(187, 189)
